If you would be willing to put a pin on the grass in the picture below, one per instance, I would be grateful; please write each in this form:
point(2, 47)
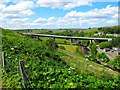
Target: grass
point(91, 30)
point(86, 66)
point(70, 48)
point(77, 60)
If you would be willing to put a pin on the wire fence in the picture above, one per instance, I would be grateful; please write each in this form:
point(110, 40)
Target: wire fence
point(25, 82)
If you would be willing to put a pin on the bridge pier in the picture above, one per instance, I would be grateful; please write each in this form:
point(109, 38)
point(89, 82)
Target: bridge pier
point(71, 42)
point(91, 41)
point(38, 38)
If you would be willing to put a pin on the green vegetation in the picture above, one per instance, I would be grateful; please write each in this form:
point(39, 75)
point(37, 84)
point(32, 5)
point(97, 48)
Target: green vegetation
point(110, 30)
point(114, 43)
point(116, 63)
point(93, 49)
point(85, 42)
point(69, 47)
point(51, 44)
point(102, 57)
point(49, 67)
point(103, 45)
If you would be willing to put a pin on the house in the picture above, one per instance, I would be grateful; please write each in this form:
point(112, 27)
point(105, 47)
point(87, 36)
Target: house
point(99, 34)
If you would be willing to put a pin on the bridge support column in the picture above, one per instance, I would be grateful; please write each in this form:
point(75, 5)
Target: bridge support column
point(38, 38)
point(77, 41)
point(71, 42)
point(90, 41)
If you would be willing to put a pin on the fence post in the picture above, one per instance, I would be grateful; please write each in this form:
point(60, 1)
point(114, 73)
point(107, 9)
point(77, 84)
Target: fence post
point(3, 59)
point(23, 73)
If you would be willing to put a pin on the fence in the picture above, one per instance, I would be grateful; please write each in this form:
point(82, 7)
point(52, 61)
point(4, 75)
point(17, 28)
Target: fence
point(25, 82)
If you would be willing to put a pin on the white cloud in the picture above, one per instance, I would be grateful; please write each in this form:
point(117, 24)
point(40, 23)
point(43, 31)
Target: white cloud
point(40, 20)
point(115, 16)
point(63, 4)
point(19, 7)
point(107, 12)
point(17, 11)
point(19, 20)
point(4, 1)
point(15, 16)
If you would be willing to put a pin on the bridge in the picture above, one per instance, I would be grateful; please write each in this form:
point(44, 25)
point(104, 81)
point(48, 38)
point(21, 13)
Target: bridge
point(67, 37)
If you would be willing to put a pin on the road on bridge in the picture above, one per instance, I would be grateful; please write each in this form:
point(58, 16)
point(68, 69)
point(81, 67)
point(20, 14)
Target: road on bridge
point(68, 37)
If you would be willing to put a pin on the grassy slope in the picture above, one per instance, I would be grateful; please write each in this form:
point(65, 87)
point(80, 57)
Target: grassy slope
point(69, 47)
point(72, 59)
point(79, 62)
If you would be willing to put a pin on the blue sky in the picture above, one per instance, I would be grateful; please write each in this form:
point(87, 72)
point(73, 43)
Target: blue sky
point(23, 14)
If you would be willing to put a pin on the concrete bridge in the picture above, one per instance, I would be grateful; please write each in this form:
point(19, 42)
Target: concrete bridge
point(67, 37)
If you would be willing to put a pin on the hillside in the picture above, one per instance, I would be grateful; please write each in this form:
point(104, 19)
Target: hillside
point(49, 67)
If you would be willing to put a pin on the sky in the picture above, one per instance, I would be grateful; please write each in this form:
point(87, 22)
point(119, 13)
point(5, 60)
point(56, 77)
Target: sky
point(52, 14)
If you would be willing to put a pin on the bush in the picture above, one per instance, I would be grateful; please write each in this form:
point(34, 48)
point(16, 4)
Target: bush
point(51, 44)
point(116, 62)
point(105, 45)
point(62, 47)
point(85, 42)
point(93, 49)
point(103, 57)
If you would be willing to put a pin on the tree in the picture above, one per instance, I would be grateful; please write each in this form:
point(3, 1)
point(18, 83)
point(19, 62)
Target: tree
point(82, 34)
point(116, 42)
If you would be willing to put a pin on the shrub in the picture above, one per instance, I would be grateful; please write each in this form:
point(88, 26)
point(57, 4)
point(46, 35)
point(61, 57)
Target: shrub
point(103, 57)
point(93, 49)
point(116, 62)
point(105, 45)
point(62, 47)
point(51, 44)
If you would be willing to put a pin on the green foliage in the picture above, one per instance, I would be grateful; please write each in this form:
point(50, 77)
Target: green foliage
point(62, 47)
point(116, 42)
point(103, 57)
point(110, 30)
point(103, 45)
point(51, 44)
point(45, 68)
point(116, 62)
point(82, 34)
point(85, 42)
point(93, 49)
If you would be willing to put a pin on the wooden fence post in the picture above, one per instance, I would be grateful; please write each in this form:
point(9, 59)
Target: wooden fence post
point(23, 73)
point(3, 59)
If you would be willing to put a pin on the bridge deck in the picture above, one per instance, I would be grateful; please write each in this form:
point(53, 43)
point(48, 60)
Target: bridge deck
point(68, 37)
